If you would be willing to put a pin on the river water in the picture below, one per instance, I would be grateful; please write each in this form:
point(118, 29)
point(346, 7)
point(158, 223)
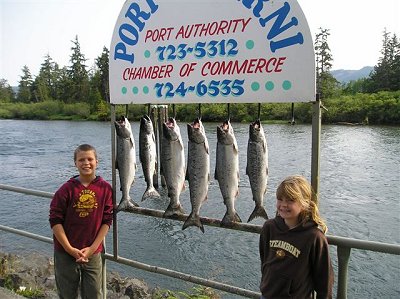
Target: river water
point(359, 198)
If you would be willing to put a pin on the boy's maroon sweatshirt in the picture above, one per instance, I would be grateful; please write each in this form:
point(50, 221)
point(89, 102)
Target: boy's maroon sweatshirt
point(82, 211)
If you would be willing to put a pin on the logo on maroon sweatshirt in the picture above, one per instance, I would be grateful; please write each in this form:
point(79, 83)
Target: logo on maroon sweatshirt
point(86, 203)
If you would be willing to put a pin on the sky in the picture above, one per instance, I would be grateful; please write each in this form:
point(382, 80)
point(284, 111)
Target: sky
point(31, 29)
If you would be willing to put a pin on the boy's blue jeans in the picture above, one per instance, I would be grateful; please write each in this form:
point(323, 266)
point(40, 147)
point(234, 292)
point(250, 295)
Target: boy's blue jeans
point(70, 274)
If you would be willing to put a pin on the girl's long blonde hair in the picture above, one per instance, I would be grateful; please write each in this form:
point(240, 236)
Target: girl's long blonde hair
point(297, 188)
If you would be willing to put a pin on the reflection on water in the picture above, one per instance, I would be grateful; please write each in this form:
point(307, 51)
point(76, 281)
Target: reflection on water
point(359, 191)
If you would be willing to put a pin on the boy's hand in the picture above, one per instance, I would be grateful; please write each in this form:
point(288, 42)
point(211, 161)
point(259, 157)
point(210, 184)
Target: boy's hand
point(82, 260)
point(87, 252)
point(78, 255)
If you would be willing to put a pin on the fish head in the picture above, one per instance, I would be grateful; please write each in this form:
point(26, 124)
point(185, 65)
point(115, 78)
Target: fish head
point(146, 125)
point(123, 127)
point(196, 131)
point(171, 130)
point(225, 134)
point(256, 131)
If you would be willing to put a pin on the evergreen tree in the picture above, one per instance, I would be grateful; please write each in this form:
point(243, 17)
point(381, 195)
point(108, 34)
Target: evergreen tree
point(386, 74)
point(395, 64)
point(327, 85)
point(78, 74)
point(355, 86)
point(102, 63)
point(44, 85)
point(6, 92)
point(25, 94)
point(63, 84)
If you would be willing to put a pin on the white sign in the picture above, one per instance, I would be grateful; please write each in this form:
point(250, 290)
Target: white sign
point(211, 51)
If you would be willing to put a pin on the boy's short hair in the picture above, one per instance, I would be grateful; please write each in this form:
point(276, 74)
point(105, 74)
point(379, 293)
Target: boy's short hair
point(84, 148)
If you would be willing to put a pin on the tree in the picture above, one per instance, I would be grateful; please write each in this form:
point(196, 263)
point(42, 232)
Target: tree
point(355, 86)
point(79, 89)
point(386, 73)
point(44, 86)
point(6, 92)
point(395, 79)
point(102, 63)
point(327, 85)
point(25, 86)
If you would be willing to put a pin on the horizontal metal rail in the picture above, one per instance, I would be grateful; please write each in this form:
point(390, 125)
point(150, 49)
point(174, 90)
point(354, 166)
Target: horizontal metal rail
point(27, 191)
point(26, 234)
point(344, 246)
point(246, 227)
point(251, 228)
point(186, 277)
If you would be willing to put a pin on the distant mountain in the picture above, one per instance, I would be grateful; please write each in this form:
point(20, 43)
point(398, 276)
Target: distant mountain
point(345, 76)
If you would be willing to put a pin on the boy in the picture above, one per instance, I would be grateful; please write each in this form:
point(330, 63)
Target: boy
point(80, 217)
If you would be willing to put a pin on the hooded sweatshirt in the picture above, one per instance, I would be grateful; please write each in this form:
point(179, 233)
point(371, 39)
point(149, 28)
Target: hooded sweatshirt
point(294, 262)
point(81, 211)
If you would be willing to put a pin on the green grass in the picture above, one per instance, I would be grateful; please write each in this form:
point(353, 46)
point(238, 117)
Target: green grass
point(195, 293)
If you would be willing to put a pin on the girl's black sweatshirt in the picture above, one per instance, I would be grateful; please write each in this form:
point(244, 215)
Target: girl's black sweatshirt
point(294, 262)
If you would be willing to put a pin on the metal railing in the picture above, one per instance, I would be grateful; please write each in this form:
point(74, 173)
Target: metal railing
point(344, 246)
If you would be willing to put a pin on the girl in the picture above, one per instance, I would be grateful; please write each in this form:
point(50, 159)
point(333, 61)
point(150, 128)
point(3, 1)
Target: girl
point(294, 251)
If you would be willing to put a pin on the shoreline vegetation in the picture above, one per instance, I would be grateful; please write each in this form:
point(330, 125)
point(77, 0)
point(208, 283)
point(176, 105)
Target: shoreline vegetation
point(382, 108)
point(32, 276)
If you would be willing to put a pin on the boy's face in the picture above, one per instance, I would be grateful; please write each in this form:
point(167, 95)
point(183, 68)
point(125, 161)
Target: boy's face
point(86, 163)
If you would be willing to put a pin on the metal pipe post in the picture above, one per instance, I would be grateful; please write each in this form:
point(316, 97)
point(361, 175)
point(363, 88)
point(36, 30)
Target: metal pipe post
point(114, 183)
point(343, 265)
point(315, 145)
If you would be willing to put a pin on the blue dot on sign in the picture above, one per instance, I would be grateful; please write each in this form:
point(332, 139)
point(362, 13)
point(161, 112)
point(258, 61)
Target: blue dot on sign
point(255, 86)
point(269, 85)
point(124, 90)
point(147, 53)
point(250, 44)
point(286, 85)
point(145, 90)
point(135, 90)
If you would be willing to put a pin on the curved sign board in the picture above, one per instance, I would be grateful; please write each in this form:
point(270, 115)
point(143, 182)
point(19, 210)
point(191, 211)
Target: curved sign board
point(211, 51)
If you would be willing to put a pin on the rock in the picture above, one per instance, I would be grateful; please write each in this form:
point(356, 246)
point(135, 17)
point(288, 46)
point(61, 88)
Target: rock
point(131, 288)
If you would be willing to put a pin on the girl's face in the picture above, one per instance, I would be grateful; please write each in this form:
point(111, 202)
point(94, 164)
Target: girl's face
point(289, 210)
point(86, 163)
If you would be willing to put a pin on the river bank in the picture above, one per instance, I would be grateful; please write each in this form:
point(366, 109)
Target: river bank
point(33, 277)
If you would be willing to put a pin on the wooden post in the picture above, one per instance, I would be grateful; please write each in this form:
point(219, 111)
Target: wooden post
point(162, 117)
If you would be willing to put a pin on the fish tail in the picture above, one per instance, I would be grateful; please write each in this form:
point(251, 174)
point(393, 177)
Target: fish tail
point(230, 218)
point(193, 220)
point(259, 211)
point(173, 210)
point(150, 192)
point(126, 205)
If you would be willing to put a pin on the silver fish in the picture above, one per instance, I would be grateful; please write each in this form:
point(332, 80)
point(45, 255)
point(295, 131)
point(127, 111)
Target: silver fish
point(227, 170)
point(257, 168)
point(148, 155)
point(125, 161)
point(198, 171)
point(173, 163)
